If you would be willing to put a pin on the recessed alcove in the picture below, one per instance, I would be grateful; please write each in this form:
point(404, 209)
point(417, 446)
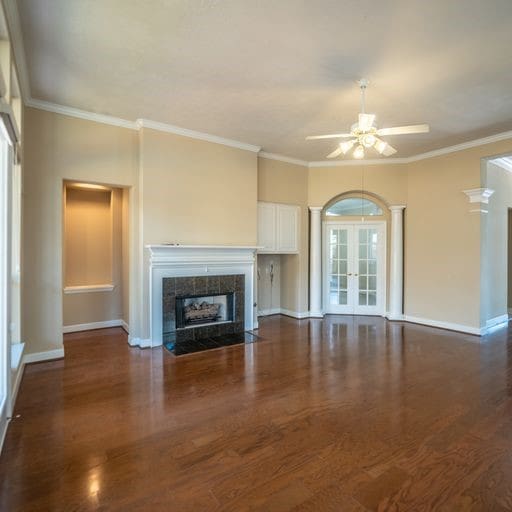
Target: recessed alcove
point(95, 255)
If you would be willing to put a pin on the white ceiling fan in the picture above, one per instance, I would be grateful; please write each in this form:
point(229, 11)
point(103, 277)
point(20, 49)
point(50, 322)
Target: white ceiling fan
point(365, 134)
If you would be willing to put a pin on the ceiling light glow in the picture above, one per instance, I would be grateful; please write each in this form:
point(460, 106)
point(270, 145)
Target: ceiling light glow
point(359, 152)
point(381, 146)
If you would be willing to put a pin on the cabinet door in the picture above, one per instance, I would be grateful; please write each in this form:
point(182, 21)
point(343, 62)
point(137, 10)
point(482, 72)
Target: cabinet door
point(267, 227)
point(287, 228)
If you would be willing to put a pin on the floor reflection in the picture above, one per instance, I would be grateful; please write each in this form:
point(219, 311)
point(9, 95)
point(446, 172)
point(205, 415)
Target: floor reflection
point(354, 408)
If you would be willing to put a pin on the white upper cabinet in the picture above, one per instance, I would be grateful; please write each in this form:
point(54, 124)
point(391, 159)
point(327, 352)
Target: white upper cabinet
point(267, 235)
point(278, 228)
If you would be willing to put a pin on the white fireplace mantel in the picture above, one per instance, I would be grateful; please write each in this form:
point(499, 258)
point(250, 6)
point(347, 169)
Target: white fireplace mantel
point(167, 260)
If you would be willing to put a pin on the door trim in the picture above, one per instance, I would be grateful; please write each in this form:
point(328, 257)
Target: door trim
point(382, 279)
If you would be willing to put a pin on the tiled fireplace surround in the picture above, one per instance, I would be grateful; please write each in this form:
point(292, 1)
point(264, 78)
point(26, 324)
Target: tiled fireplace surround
point(197, 267)
point(173, 287)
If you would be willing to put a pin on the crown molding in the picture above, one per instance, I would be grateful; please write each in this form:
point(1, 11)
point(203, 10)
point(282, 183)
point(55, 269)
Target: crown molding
point(136, 125)
point(81, 114)
point(12, 17)
point(169, 128)
point(177, 130)
point(282, 158)
point(460, 147)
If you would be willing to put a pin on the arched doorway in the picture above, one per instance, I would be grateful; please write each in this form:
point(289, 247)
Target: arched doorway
point(354, 255)
point(392, 214)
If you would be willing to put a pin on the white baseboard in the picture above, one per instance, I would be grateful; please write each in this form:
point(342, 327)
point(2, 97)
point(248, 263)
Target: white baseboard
point(35, 357)
point(395, 318)
point(443, 325)
point(125, 326)
point(497, 321)
point(267, 312)
point(295, 314)
point(282, 311)
point(93, 325)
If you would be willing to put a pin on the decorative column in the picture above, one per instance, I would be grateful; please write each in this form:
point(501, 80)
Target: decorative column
point(396, 278)
point(315, 264)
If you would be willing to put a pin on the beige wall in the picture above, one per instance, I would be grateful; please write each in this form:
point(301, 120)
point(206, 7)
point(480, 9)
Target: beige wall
point(88, 242)
point(442, 252)
point(194, 192)
point(59, 147)
point(197, 192)
point(509, 262)
point(125, 237)
point(282, 182)
point(495, 240)
point(389, 182)
point(443, 239)
point(93, 255)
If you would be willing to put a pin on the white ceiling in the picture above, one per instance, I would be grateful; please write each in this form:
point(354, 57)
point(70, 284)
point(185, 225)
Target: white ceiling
point(270, 72)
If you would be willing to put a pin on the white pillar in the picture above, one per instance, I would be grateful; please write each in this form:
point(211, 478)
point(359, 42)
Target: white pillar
point(315, 264)
point(396, 279)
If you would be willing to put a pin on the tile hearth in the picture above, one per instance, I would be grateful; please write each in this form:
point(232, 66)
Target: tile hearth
point(180, 349)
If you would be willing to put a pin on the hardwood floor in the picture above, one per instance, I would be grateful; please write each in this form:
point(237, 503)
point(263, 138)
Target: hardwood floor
point(344, 414)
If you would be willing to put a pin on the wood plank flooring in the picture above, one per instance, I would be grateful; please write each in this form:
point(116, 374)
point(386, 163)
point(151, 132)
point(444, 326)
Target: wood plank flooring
point(341, 414)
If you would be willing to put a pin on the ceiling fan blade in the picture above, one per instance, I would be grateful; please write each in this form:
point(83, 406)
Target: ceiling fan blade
point(389, 150)
point(366, 122)
point(335, 153)
point(404, 130)
point(331, 136)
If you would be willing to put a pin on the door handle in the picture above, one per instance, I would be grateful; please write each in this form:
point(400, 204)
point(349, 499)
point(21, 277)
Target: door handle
point(349, 274)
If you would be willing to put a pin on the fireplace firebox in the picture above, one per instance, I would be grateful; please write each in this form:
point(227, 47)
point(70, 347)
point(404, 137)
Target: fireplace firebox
point(196, 310)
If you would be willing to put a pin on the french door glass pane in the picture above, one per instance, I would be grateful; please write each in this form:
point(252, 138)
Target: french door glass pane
point(367, 251)
point(338, 264)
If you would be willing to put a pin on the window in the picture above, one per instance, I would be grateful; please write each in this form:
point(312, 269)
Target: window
point(354, 206)
point(5, 275)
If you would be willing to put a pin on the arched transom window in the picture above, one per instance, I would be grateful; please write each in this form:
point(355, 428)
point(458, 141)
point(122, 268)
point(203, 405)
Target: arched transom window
point(354, 206)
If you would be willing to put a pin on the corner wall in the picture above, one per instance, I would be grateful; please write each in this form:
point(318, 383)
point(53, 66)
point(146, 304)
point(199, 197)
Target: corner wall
point(287, 183)
point(59, 147)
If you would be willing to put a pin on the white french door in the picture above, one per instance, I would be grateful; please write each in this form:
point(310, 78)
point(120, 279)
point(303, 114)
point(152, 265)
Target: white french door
point(354, 268)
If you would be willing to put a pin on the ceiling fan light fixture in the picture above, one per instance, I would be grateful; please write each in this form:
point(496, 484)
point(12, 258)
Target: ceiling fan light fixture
point(381, 146)
point(346, 146)
point(359, 152)
point(365, 133)
point(368, 140)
